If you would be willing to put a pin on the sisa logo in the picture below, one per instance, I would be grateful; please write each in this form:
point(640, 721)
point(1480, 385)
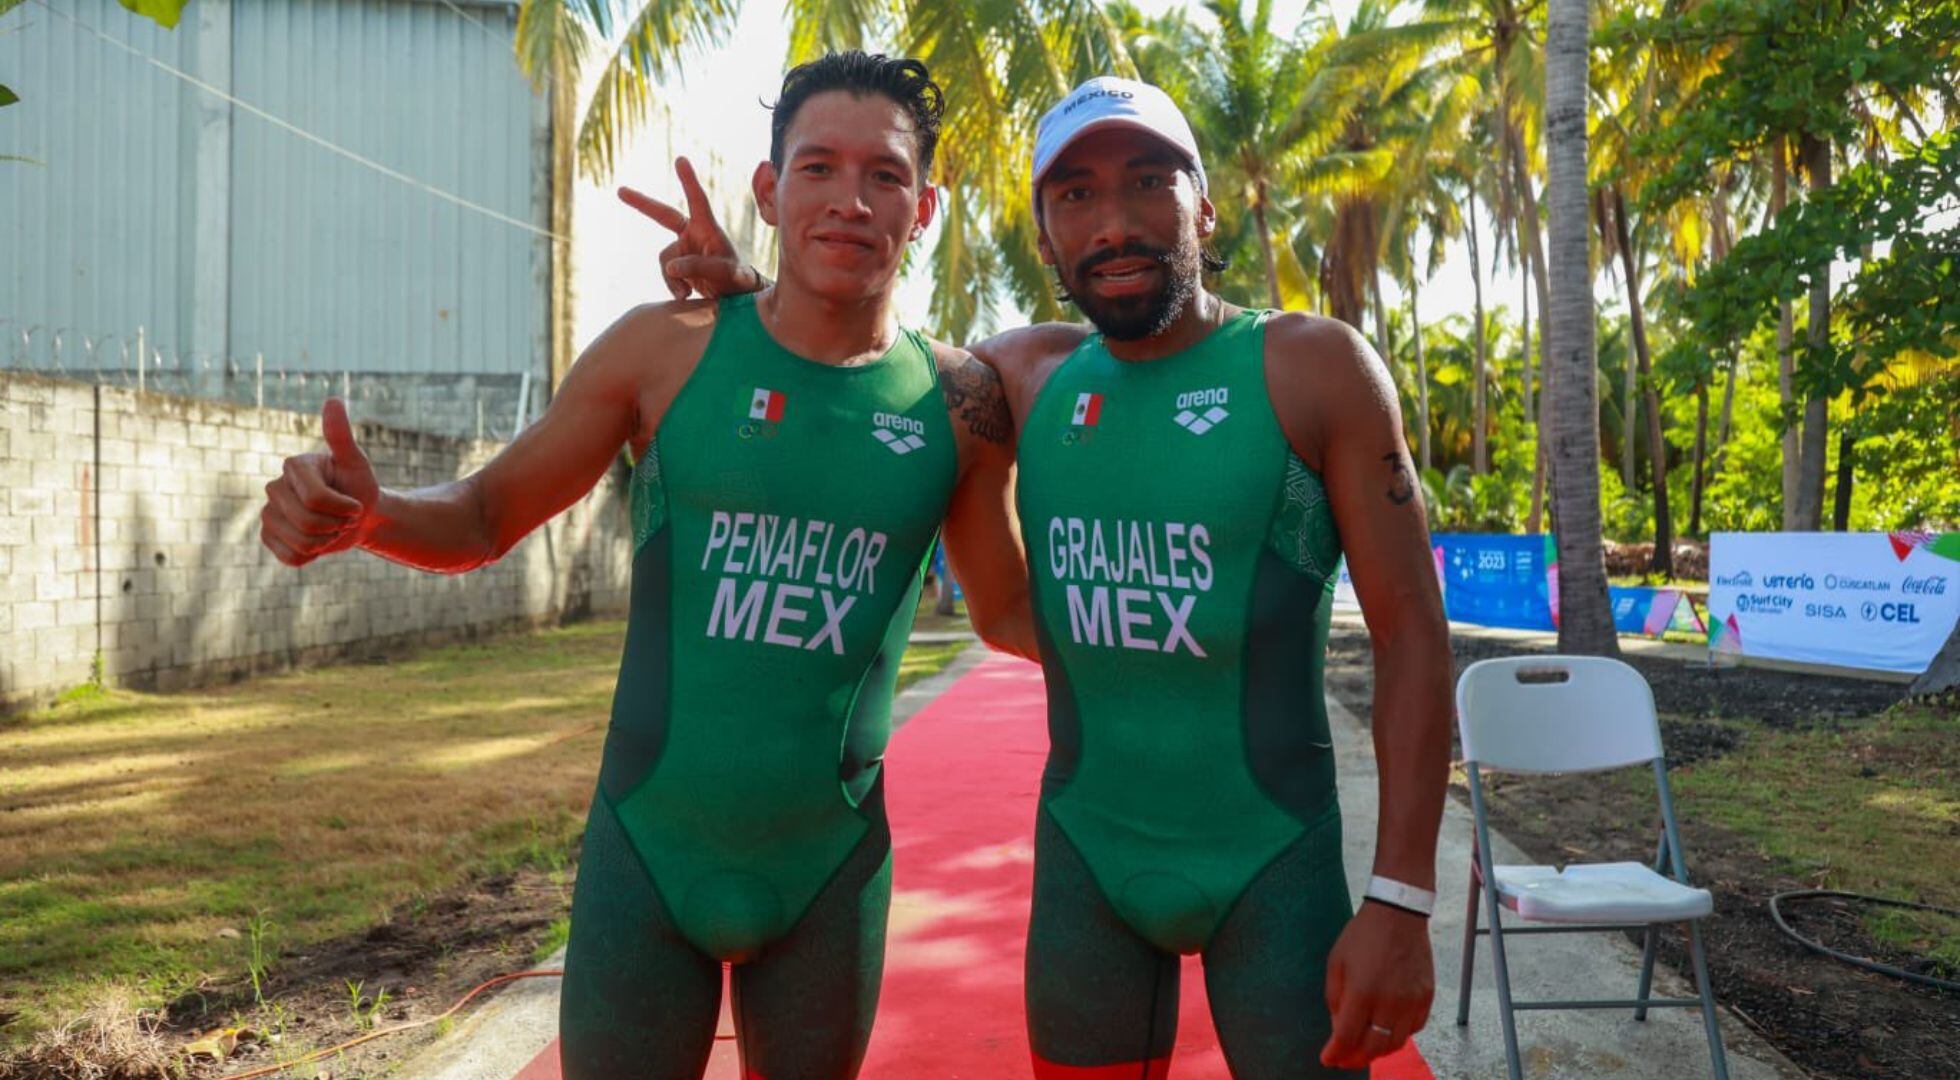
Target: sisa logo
point(1198, 423)
point(1890, 611)
point(1789, 581)
point(900, 434)
point(1738, 580)
point(1923, 586)
point(1823, 611)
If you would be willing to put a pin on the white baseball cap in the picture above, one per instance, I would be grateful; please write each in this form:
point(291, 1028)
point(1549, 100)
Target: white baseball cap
point(1109, 102)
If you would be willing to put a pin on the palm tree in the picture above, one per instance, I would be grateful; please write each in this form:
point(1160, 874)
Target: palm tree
point(1009, 59)
point(1585, 614)
point(1261, 105)
point(1499, 36)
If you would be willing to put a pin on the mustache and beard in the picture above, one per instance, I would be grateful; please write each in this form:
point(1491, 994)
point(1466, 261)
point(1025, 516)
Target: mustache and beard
point(1130, 318)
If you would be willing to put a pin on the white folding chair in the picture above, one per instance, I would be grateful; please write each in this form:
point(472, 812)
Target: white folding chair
point(1565, 714)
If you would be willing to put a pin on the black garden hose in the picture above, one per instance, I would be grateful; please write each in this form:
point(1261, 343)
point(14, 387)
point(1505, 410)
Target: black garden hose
point(1859, 961)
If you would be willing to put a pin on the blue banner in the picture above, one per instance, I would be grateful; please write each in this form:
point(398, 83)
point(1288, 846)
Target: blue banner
point(1495, 580)
point(939, 570)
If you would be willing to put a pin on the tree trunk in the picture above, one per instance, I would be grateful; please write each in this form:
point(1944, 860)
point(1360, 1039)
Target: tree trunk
point(1847, 454)
point(1381, 326)
point(1266, 246)
point(1585, 613)
point(1422, 376)
point(1696, 481)
point(1779, 197)
point(1629, 414)
point(1728, 417)
point(1943, 674)
point(1656, 444)
point(1479, 438)
point(1810, 451)
point(1544, 468)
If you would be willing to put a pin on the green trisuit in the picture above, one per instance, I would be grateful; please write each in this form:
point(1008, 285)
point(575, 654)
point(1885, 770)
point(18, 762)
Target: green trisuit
point(1183, 562)
point(782, 516)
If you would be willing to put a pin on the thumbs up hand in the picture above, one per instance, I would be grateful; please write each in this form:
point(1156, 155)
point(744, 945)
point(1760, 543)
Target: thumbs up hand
point(321, 502)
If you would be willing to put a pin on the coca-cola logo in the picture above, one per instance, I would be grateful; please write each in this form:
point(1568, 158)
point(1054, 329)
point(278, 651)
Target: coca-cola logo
point(1932, 585)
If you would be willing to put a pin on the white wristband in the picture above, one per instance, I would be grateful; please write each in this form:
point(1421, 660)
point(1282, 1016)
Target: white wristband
point(1390, 891)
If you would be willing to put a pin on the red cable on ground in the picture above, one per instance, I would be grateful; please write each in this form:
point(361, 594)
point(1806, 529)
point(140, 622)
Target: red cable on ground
point(316, 1055)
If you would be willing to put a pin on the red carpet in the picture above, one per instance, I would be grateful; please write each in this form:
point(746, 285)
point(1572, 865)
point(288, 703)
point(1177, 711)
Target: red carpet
point(961, 783)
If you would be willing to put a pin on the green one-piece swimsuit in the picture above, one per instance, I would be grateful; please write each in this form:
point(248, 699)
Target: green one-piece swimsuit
point(1183, 562)
point(782, 516)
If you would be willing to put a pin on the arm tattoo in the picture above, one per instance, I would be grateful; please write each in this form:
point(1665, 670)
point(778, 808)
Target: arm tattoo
point(1401, 488)
point(972, 390)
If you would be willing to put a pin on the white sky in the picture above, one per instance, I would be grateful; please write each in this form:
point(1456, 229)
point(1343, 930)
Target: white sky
point(716, 104)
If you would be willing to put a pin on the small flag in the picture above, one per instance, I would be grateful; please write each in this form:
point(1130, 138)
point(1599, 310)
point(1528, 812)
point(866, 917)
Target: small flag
point(1088, 409)
point(766, 405)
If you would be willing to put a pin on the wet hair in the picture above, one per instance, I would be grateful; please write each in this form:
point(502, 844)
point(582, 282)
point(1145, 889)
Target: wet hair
point(902, 79)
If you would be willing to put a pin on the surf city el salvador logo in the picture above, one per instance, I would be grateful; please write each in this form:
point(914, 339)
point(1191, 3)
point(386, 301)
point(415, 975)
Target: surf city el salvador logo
point(789, 581)
point(1130, 584)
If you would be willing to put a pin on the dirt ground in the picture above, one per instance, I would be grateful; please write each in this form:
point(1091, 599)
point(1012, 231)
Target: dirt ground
point(1832, 1019)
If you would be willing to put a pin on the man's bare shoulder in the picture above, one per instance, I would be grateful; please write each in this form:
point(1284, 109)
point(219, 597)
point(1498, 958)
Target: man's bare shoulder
point(648, 339)
point(974, 398)
point(656, 324)
point(1326, 382)
point(1012, 352)
point(1323, 358)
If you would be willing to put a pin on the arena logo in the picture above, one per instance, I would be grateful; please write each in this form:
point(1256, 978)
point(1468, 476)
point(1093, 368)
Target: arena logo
point(1823, 611)
point(1934, 585)
point(1739, 580)
point(1851, 584)
point(1790, 581)
point(1764, 603)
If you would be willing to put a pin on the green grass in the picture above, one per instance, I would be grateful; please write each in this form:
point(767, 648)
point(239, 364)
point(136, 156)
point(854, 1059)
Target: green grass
point(1864, 809)
point(139, 828)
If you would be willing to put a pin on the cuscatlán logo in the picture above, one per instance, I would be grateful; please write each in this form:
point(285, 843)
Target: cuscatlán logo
point(1197, 423)
point(900, 434)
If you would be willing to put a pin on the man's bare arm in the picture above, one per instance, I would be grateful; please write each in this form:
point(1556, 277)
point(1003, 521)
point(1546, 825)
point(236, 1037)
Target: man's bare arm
point(466, 523)
point(1341, 413)
point(1025, 356)
point(982, 540)
point(1339, 410)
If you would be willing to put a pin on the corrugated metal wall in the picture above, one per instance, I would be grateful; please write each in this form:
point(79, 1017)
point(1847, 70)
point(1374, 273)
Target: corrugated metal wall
point(329, 265)
point(91, 231)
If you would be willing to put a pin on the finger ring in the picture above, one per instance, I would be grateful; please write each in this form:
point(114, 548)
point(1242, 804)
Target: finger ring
point(1383, 1030)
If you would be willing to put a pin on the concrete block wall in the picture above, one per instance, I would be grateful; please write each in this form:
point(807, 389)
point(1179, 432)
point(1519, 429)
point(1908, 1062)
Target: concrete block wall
point(129, 530)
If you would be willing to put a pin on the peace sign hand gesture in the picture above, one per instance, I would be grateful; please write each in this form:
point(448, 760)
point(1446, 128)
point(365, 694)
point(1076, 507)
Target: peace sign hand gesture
point(701, 259)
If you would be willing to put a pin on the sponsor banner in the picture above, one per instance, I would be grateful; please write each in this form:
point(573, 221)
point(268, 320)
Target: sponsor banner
point(1884, 601)
point(1497, 580)
point(1638, 609)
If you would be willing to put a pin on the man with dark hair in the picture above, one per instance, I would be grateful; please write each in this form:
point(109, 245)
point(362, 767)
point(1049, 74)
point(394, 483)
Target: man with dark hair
point(796, 454)
point(1189, 476)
